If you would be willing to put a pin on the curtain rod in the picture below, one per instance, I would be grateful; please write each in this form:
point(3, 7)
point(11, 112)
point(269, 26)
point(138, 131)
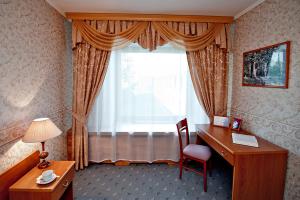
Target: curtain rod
point(148, 17)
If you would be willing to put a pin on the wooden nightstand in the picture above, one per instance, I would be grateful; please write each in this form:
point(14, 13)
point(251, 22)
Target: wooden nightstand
point(62, 188)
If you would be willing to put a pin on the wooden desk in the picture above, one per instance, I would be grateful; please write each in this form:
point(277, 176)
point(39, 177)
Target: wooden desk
point(258, 173)
point(61, 188)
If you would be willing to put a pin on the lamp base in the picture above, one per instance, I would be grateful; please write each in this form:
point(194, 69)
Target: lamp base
point(43, 155)
point(44, 164)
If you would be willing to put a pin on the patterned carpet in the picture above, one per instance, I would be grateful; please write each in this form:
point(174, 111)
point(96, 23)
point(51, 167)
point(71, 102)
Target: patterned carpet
point(149, 181)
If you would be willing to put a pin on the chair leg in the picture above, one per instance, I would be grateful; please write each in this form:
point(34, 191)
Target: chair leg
point(204, 177)
point(210, 168)
point(180, 168)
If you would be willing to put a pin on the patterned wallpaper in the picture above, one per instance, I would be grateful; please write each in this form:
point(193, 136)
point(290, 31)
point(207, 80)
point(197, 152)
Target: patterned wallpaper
point(273, 114)
point(68, 77)
point(33, 69)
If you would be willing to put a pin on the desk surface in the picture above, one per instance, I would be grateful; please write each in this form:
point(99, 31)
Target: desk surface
point(28, 181)
point(223, 137)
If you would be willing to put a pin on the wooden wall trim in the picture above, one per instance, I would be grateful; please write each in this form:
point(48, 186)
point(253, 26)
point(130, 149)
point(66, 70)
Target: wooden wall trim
point(16, 130)
point(11, 175)
point(148, 17)
point(127, 162)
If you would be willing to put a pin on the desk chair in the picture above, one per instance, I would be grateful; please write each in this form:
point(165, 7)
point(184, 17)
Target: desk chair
point(197, 153)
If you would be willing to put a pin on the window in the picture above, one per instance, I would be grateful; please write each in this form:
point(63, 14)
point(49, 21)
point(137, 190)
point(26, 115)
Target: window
point(146, 91)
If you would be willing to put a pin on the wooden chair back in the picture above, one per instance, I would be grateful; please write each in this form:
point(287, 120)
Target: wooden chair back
point(183, 126)
point(13, 174)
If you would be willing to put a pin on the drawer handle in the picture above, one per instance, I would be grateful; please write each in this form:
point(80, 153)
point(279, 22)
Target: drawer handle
point(66, 184)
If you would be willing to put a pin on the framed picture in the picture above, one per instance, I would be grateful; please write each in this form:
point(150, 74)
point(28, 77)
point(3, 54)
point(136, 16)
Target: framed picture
point(267, 67)
point(236, 124)
point(221, 121)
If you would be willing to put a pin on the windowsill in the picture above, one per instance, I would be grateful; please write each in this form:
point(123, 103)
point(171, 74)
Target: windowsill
point(145, 128)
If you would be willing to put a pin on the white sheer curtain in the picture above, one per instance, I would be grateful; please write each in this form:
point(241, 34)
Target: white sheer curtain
point(143, 96)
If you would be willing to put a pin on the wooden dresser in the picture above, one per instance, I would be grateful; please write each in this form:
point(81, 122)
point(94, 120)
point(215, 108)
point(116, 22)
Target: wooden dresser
point(258, 173)
point(62, 188)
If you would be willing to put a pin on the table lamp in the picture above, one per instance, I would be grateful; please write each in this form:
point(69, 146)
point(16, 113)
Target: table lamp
point(40, 130)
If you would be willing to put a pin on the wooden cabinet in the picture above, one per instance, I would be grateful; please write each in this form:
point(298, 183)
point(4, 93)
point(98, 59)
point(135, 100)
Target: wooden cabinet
point(69, 144)
point(62, 188)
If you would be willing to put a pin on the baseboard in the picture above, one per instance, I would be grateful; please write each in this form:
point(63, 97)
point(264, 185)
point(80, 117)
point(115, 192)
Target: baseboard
point(127, 163)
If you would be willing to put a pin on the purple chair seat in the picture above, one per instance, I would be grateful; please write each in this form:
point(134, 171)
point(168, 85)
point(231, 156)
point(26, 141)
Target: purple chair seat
point(197, 151)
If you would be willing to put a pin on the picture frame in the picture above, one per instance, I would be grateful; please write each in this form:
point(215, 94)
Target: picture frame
point(221, 121)
point(236, 124)
point(267, 66)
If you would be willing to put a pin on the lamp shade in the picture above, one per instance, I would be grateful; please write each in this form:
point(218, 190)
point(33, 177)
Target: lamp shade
point(41, 130)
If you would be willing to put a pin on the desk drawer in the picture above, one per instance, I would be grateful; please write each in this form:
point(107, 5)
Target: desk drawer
point(63, 185)
point(217, 147)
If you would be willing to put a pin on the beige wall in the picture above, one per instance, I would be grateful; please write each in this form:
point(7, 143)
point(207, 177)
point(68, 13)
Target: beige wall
point(68, 77)
point(271, 113)
point(33, 69)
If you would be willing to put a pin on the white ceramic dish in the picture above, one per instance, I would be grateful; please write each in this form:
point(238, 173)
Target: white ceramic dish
point(40, 181)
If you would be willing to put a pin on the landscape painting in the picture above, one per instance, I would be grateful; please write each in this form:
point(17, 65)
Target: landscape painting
point(267, 67)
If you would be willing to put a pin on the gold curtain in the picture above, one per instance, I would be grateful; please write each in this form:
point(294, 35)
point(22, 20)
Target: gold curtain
point(92, 44)
point(187, 41)
point(90, 66)
point(109, 41)
point(119, 34)
point(208, 69)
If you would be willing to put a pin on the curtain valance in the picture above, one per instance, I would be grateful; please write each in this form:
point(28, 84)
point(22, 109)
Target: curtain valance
point(112, 35)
